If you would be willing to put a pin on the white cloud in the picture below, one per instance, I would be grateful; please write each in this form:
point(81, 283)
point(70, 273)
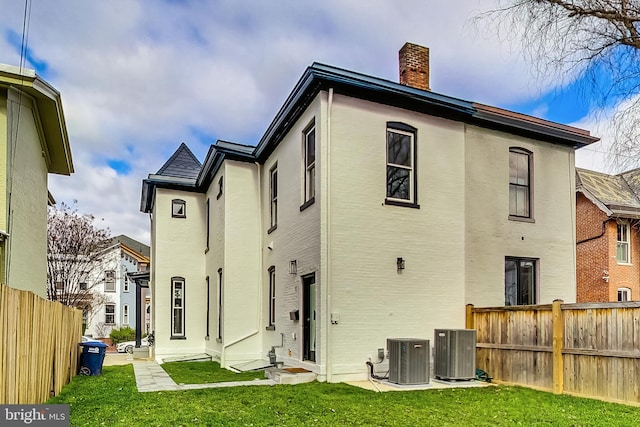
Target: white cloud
point(137, 77)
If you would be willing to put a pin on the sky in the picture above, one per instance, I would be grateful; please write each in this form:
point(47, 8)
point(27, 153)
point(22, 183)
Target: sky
point(139, 77)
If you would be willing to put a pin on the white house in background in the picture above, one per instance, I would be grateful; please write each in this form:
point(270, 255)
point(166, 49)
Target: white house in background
point(119, 292)
point(368, 210)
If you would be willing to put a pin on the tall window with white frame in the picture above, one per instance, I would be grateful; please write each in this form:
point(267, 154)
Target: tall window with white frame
point(273, 197)
point(623, 243)
point(110, 281)
point(519, 281)
point(110, 314)
point(125, 315)
point(519, 183)
point(401, 164)
point(207, 214)
point(309, 164)
point(220, 306)
point(177, 307)
point(272, 297)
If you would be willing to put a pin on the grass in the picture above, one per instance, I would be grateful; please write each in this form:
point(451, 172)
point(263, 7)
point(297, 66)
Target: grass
point(206, 372)
point(112, 399)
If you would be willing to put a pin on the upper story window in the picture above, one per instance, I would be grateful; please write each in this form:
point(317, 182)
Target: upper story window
point(178, 208)
point(401, 164)
point(273, 198)
point(310, 164)
point(207, 214)
point(125, 286)
point(519, 183)
point(624, 294)
point(624, 241)
point(519, 281)
point(110, 281)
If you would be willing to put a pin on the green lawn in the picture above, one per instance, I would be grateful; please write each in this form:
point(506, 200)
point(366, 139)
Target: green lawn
point(112, 399)
point(206, 372)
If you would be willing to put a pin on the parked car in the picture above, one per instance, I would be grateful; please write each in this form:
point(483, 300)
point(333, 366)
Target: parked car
point(128, 346)
point(89, 339)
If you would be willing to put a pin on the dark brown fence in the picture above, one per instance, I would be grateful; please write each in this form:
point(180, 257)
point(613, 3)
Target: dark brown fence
point(590, 349)
point(39, 346)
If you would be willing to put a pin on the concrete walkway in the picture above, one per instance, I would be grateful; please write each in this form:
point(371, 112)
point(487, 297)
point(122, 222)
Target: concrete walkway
point(151, 377)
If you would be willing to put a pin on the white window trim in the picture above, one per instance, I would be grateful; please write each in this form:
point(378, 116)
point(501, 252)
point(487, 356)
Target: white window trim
point(175, 203)
point(625, 242)
point(110, 281)
point(626, 292)
point(182, 308)
point(411, 168)
point(125, 315)
point(273, 197)
point(309, 169)
point(272, 296)
point(529, 186)
point(113, 313)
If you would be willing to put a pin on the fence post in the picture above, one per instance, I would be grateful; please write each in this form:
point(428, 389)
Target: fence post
point(468, 321)
point(558, 340)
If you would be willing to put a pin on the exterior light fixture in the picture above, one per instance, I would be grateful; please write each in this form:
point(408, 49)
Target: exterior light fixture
point(400, 263)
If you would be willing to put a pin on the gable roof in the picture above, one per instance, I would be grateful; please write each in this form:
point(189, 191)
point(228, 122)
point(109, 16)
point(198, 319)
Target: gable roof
point(616, 195)
point(182, 164)
point(320, 77)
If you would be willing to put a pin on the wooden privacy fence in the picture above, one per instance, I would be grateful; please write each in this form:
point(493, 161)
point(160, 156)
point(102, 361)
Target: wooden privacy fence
point(39, 346)
point(588, 349)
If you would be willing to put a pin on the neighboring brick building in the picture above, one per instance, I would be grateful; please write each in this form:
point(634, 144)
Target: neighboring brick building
point(607, 239)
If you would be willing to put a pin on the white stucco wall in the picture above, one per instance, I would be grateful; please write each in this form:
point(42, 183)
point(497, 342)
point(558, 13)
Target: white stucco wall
point(27, 207)
point(180, 245)
point(491, 236)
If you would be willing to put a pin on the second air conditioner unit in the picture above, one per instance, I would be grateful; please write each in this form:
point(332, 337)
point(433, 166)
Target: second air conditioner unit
point(408, 360)
point(455, 354)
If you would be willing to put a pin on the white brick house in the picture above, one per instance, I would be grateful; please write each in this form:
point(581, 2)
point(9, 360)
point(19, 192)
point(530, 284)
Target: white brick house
point(368, 210)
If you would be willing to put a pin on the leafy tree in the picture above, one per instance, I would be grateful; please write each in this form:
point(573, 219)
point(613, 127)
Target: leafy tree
point(598, 40)
point(76, 249)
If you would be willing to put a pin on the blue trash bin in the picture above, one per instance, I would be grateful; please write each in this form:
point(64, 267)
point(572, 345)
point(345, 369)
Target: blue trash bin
point(92, 357)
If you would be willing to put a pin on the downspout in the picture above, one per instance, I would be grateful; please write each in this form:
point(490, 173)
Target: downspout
point(328, 249)
point(260, 262)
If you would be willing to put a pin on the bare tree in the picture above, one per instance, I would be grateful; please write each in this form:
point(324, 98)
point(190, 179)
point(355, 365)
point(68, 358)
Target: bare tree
point(597, 40)
point(76, 249)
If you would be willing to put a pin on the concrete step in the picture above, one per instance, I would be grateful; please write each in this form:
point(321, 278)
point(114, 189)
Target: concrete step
point(289, 375)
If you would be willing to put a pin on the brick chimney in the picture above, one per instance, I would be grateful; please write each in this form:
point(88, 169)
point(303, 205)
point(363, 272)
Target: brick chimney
point(414, 66)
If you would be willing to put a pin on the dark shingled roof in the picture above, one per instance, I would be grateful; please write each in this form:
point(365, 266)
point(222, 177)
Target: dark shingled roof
point(183, 164)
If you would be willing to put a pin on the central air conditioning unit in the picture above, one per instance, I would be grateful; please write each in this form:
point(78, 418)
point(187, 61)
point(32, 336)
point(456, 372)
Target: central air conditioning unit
point(455, 354)
point(408, 360)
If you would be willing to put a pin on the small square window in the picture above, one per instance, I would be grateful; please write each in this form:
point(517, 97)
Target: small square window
point(178, 208)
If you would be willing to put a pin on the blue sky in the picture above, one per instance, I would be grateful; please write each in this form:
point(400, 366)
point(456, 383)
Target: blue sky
point(138, 77)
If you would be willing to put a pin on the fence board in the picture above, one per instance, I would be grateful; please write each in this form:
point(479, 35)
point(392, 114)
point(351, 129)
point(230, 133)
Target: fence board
point(598, 354)
point(39, 341)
